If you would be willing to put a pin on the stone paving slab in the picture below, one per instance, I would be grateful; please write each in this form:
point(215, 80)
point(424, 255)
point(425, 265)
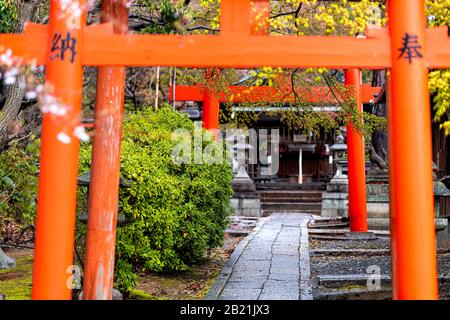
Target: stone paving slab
point(239, 294)
point(268, 264)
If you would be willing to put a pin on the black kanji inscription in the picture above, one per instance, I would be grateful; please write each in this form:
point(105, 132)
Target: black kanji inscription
point(60, 46)
point(411, 48)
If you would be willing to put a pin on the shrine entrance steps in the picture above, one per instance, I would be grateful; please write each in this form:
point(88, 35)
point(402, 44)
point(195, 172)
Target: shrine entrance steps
point(291, 198)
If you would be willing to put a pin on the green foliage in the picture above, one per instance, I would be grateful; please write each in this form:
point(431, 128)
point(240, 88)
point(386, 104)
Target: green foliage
point(166, 16)
point(438, 13)
point(174, 212)
point(19, 182)
point(311, 121)
point(8, 15)
point(439, 83)
point(373, 123)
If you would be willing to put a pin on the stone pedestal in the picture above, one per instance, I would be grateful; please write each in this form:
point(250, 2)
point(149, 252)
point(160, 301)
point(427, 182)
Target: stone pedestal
point(377, 189)
point(335, 199)
point(378, 203)
point(245, 201)
point(334, 204)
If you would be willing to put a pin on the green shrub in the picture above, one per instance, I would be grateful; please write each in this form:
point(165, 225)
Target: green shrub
point(8, 15)
point(19, 183)
point(174, 212)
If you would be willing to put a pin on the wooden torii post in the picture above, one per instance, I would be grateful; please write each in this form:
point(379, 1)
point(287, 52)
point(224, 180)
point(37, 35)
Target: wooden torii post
point(357, 197)
point(105, 170)
point(407, 48)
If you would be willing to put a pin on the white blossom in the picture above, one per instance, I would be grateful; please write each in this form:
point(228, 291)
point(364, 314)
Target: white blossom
point(10, 76)
point(81, 133)
point(31, 95)
point(7, 58)
point(12, 67)
point(63, 138)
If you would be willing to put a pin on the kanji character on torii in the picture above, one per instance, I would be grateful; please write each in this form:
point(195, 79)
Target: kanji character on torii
point(407, 48)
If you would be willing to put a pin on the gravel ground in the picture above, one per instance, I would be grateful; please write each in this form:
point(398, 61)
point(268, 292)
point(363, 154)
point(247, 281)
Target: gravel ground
point(345, 264)
point(348, 265)
point(380, 243)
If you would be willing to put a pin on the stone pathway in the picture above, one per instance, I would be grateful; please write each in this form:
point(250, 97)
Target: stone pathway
point(272, 263)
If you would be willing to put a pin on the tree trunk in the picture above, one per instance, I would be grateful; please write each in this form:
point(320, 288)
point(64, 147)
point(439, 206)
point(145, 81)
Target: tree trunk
point(16, 91)
point(13, 101)
point(379, 137)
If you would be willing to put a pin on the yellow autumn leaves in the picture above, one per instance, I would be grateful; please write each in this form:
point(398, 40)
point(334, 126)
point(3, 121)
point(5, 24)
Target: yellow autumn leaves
point(314, 17)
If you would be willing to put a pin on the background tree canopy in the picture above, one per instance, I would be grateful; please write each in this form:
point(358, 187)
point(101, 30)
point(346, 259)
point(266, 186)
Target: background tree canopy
point(8, 15)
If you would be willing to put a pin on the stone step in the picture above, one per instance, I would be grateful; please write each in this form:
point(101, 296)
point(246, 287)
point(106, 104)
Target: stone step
point(290, 194)
point(292, 190)
point(346, 232)
point(267, 212)
point(350, 252)
point(384, 223)
point(290, 200)
point(291, 186)
point(300, 206)
point(328, 225)
point(332, 280)
point(359, 294)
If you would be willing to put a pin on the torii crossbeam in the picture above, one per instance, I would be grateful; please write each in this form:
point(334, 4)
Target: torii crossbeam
point(273, 94)
point(268, 94)
point(411, 206)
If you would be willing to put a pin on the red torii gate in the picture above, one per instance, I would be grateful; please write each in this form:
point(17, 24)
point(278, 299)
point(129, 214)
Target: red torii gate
point(284, 93)
point(406, 47)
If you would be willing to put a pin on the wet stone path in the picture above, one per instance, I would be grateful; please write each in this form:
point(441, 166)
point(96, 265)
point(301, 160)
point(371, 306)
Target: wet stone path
point(272, 263)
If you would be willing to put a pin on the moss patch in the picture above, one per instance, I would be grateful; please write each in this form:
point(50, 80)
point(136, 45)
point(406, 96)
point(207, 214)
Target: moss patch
point(136, 294)
point(15, 283)
point(192, 284)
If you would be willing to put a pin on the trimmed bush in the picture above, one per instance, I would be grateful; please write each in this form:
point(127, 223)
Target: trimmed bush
point(174, 212)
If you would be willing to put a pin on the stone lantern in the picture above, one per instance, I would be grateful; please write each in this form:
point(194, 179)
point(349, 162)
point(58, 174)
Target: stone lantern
point(246, 200)
point(335, 199)
point(241, 150)
point(85, 181)
point(339, 149)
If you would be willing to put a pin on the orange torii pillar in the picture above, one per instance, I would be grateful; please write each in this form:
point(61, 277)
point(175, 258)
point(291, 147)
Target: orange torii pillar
point(357, 209)
point(232, 24)
point(105, 168)
point(211, 107)
point(55, 225)
point(412, 211)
